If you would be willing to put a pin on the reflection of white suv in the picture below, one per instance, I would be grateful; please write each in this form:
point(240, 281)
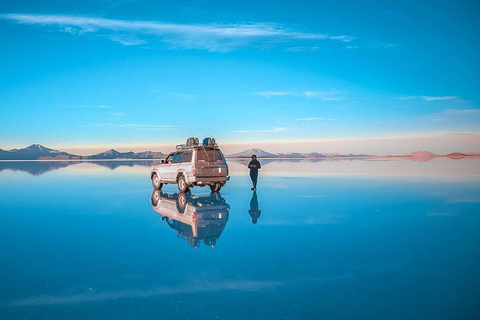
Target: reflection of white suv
point(193, 165)
point(195, 218)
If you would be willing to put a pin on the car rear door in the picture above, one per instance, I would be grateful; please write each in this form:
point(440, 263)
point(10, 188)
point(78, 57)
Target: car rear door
point(211, 163)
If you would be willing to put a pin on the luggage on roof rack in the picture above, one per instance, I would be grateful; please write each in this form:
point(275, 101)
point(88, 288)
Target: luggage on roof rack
point(192, 142)
point(210, 142)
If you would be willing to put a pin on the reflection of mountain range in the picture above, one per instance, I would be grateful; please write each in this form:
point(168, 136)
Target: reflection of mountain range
point(39, 167)
point(39, 152)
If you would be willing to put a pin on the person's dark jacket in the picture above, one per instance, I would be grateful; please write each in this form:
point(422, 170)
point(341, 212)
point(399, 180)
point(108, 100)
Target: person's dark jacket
point(254, 165)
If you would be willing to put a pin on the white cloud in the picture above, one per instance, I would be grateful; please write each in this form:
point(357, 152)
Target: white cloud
point(302, 49)
point(117, 114)
point(322, 95)
point(441, 98)
point(213, 37)
point(272, 130)
point(342, 38)
point(431, 98)
point(126, 40)
point(269, 94)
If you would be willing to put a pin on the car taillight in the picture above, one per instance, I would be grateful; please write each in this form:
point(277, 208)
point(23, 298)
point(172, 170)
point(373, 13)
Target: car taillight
point(194, 216)
point(194, 171)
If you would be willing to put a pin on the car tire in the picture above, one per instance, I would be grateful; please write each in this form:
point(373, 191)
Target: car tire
point(182, 202)
point(182, 184)
point(156, 183)
point(156, 195)
point(215, 187)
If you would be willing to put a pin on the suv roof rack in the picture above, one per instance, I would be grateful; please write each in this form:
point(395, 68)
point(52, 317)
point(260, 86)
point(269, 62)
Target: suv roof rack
point(181, 147)
point(193, 143)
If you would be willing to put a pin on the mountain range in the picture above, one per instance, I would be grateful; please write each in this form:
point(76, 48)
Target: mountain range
point(39, 152)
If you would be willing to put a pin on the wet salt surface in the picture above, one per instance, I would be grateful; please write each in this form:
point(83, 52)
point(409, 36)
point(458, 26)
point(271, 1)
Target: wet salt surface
point(331, 240)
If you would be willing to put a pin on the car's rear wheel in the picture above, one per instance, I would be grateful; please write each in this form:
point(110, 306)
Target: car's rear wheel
point(157, 184)
point(182, 202)
point(182, 184)
point(215, 187)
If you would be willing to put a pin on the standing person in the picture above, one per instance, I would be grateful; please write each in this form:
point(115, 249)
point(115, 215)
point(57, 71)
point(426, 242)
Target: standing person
point(254, 165)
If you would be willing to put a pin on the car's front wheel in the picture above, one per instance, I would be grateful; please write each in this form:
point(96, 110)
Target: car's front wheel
point(182, 184)
point(156, 195)
point(157, 184)
point(215, 187)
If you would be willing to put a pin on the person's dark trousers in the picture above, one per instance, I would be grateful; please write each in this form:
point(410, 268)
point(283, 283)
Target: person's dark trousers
point(254, 180)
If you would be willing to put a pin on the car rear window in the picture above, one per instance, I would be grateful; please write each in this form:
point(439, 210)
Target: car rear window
point(209, 155)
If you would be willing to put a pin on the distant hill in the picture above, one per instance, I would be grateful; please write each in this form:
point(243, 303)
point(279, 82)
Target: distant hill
point(254, 151)
point(36, 152)
point(291, 155)
point(114, 154)
point(422, 154)
point(39, 152)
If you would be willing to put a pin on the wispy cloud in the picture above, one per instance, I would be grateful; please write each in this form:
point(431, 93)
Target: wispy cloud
point(442, 98)
point(126, 40)
point(271, 130)
point(269, 94)
point(213, 37)
point(431, 98)
point(314, 119)
point(302, 49)
point(322, 95)
point(117, 114)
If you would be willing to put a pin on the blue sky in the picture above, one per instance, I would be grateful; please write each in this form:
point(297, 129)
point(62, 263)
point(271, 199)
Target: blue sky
point(137, 74)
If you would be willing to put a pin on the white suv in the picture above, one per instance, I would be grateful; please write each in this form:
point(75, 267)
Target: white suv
point(193, 165)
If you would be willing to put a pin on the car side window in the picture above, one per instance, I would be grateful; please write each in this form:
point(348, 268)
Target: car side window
point(169, 159)
point(187, 157)
point(177, 157)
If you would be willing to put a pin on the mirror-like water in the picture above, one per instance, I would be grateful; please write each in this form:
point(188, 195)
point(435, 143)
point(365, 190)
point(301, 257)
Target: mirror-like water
point(342, 240)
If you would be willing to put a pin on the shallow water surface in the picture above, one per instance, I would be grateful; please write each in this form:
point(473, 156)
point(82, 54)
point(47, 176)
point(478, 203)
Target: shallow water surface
point(331, 240)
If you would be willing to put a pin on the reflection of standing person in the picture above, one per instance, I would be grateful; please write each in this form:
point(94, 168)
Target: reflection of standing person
point(254, 165)
point(254, 212)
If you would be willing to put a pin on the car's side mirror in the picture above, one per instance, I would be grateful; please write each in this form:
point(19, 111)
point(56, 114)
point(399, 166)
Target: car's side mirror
point(162, 162)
